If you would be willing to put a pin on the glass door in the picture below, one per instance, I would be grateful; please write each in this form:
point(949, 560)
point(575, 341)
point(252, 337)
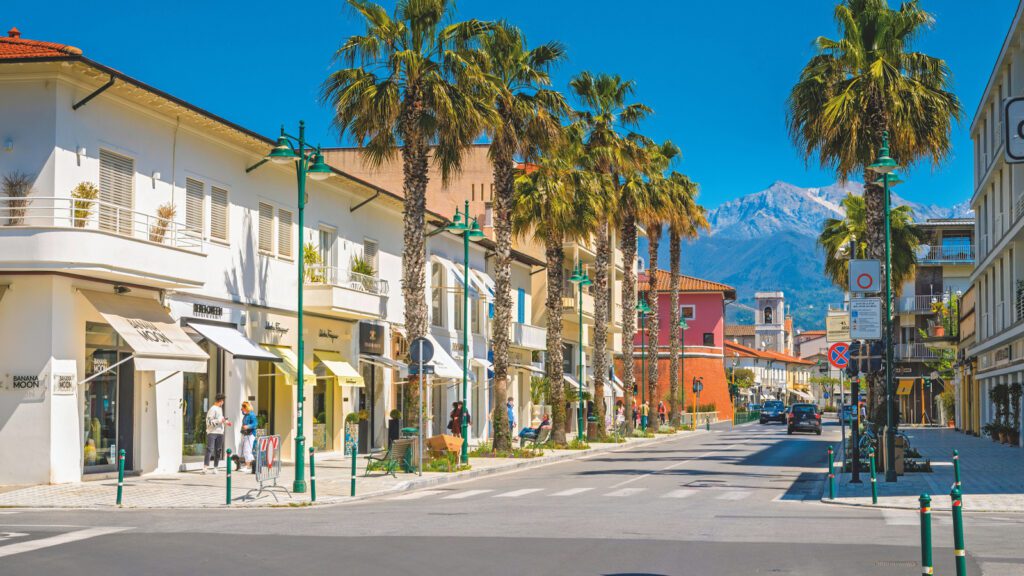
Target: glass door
point(108, 410)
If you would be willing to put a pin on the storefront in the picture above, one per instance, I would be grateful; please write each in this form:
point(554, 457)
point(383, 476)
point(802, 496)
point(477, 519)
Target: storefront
point(337, 381)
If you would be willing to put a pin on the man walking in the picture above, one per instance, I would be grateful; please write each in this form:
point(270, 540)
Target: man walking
point(215, 422)
point(511, 409)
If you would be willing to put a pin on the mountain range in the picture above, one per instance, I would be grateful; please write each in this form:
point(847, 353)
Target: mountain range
point(767, 241)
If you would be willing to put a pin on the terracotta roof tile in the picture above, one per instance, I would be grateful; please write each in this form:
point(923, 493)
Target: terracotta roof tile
point(14, 47)
point(663, 283)
point(739, 330)
point(748, 352)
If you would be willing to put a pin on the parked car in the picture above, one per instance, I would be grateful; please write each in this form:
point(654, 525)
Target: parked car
point(773, 411)
point(803, 418)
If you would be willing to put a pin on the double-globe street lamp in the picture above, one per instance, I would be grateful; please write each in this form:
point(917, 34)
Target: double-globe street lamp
point(467, 227)
point(644, 310)
point(682, 368)
point(581, 279)
point(308, 160)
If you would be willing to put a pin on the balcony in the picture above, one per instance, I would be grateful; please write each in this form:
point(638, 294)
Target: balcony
point(99, 240)
point(948, 255)
point(528, 336)
point(918, 304)
point(345, 294)
point(571, 306)
point(915, 351)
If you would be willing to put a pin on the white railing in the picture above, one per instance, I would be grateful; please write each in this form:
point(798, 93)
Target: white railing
point(318, 274)
point(529, 336)
point(915, 351)
point(918, 304)
point(949, 254)
point(54, 212)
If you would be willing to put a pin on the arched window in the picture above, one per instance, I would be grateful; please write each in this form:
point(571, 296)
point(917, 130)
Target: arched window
point(436, 294)
point(767, 314)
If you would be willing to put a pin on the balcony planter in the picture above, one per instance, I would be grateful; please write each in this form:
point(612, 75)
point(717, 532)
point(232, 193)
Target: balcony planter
point(938, 331)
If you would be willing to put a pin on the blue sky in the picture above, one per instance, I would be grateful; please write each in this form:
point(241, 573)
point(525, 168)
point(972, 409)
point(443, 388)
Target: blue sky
point(716, 73)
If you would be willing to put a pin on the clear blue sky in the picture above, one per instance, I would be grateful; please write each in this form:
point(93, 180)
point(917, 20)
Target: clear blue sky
point(716, 73)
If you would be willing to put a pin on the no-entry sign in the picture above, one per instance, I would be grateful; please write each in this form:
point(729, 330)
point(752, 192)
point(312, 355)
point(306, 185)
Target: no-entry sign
point(865, 276)
point(839, 355)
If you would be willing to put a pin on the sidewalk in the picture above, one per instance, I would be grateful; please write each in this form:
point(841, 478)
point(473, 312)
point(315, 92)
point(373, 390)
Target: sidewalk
point(991, 474)
point(333, 478)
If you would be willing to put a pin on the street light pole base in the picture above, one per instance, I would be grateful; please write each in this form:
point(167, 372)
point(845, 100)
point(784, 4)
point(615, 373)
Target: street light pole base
point(299, 486)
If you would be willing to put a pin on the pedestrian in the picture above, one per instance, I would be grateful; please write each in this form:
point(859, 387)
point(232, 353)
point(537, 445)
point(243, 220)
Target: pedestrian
point(249, 425)
point(455, 420)
point(510, 407)
point(620, 416)
point(662, 411)
point(645, 414)
point(215, 423)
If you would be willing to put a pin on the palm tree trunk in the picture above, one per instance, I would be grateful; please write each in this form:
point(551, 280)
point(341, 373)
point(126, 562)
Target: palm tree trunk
point(628, 313)
point(602, 303)
point(653, 241)
point(553, 366)
point(504, 188)
point(675, 345)
point(414, 254)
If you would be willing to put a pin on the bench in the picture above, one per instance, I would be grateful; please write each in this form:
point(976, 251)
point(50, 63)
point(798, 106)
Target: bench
point(400, 453)
point(540, 438)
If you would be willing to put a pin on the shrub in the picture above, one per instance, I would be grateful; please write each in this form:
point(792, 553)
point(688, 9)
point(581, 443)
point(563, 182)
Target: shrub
point(17, 186)
point(85, 195)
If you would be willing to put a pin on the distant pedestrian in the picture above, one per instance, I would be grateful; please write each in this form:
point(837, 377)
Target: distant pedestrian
point(455, 420)
point(620, 415)
point(249, 424)
point(645, 414)
point(662, 411)
point(511, 408)
point(215, 423)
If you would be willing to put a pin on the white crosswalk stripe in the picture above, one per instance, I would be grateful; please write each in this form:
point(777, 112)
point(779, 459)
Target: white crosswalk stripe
point(518, 493)
point(679, 494)
point(466, 494)
point(625, 492)
point(733, 495)
point(417, 495)
point(572, 492)
point(913, 518)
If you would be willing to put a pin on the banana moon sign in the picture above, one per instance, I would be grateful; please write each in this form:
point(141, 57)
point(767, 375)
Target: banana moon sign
point(1013, 124)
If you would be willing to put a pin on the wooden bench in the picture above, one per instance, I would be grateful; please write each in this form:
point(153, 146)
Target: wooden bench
point(400, 453)
point(540, 438)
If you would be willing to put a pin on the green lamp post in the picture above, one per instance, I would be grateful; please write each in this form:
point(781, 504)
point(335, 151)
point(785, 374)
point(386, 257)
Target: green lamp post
point(581, 279)
point(885, 166)
point(643, 309)
point(682, 367)
point(308, 161)
point(467, 227)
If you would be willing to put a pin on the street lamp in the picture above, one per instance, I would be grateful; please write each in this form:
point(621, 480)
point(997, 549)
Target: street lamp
point(682, 367)
point(886, 167)
point(463, 225)
point(308, 161)
point(643, 309)
point(581, 279)
point(735, 361)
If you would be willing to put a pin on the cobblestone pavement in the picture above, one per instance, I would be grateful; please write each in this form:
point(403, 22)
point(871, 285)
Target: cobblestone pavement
point(333, 478)
point(992, 475)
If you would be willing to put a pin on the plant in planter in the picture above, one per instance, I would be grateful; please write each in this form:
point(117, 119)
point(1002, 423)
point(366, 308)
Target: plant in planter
point(85, 195)
point(364, 273)
point(1015, 392)
point(17, 186)
point(164, 216)
point(315, 272)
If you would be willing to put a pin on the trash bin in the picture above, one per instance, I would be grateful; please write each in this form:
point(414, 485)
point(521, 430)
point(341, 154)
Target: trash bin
point(591, 428)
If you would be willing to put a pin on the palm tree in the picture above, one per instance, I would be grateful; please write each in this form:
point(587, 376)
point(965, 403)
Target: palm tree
point(554, 202)
point(528, 120)
point(404, 87)
point(605, 116)
point(837, 234)
point(685, 222)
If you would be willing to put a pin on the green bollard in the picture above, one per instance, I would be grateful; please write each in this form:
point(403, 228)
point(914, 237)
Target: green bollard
point(120, 475)
point(956, 470)
point(958, 533)
point(831, 474)
point(707, 423)
point(355, 453)
point(874, 479)
point(227, 499)
point(312, 476)
point(926, 534)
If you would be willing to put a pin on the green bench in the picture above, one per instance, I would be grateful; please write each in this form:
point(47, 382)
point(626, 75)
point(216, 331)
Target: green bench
point(539, 439)
point(400, 453)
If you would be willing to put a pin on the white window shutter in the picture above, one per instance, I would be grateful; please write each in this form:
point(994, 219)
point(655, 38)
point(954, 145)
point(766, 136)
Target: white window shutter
point(370, 253)
point(220, 212)
point(117, 192)
point(284, 233)
point(194, 192)
point(266, 228)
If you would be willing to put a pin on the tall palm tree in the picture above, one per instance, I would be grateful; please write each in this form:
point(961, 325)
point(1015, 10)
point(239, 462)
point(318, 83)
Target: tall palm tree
point(836, 235)
point(528, 116)
point(685, 222)
point(606, 118)
point(554, 202)
point(404, 87)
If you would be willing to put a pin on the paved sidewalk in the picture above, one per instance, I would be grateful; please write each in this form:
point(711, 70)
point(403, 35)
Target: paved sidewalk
point(333, 478)
point(992, 475)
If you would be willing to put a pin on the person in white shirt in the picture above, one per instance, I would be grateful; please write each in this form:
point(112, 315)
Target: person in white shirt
point(215, 423)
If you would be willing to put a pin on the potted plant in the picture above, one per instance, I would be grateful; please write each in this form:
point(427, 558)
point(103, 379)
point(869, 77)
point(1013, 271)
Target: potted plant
point(364, 274)
point(85, 195)
point(991, 430)
point(1015, 392)
point(164, 216)
point(314, 264)
point(17, 186)
point(394, 425)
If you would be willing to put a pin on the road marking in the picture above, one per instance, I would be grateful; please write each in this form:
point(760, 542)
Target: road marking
point(679, 494)
point(734, 495)
point(680, 463)
point(894, 517)
point(3, 512)
point(625, 492)
point(518, 493)
point(417, 495)
point(466, 494)
point(57, 540)
point(572, 491)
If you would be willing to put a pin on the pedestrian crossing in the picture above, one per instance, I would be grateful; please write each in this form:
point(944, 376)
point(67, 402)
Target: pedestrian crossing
point(725, 494)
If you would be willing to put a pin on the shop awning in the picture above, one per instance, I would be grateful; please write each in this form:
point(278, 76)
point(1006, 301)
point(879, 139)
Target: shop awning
point(534, 369)
point(231, 339)
point(342, 370)
point(158, 343)
point(386, 363)
point(483, 282)
point(801, 394)
point(456, 271)
point(571, 381)
point(444, 365)
point(289, 364)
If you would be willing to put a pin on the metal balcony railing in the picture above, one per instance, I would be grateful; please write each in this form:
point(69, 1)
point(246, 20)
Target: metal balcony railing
point(949, 254)
point(921, 304)
point(915, 351)
point(54, 212)
point(318, 274)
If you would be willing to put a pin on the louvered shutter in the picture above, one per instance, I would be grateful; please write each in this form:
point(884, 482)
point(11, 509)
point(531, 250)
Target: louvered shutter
point(370, 253)
point(117, 192)
point(194, 219)
point(219, 213)
point(266, 228)
point(284, 233)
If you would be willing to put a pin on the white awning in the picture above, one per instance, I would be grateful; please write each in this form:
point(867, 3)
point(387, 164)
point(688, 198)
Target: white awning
point(289, 364)
point(801, 394)
point(571, 381)
point(530, 367)
point(386, 363)
point(444, 365)
point(620, 388)
point(233, 341)
point(339, 368)
point(158, 343)
point(483, 282)
point(456, 271)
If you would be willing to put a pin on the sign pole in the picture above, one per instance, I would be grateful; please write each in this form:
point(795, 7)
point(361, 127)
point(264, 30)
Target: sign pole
point(421, 410)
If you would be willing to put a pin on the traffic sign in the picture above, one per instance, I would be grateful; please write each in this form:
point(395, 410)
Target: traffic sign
point(866, 318)
point(865, 276)
point(414, 369)
point(837, 326)
point(697, 386)
point(839, 355)
point(421, 344)
point(1013, 123)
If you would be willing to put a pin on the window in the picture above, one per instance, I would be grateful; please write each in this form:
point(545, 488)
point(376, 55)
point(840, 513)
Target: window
point(117, 192)
point(284, 233)
point(474, 316)
point(194, 205)
point(327, 246)
point(436, 294)
point(220, 212)
point(767, 314)
point(459, 319)
point(521, 301)
point(688, 311)
point(488, 214)
point(709, 338)
point(266, 228)
point(567, 358)
point(370, 250)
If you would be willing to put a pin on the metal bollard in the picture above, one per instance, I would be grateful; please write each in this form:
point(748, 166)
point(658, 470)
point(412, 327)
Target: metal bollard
point(227, 499)
point(120, 475)
point(355, 453)
point(926, 534)
point(312, 476)
point(874, 479)
point(956, 470)
point(707, 423)
point(959, 550)
point(831, 474)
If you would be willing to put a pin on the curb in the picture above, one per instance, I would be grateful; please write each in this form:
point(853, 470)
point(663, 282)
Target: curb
point(880, 506)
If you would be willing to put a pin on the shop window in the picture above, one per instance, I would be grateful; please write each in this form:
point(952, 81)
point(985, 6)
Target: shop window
point(709, 338)
point(199, 389)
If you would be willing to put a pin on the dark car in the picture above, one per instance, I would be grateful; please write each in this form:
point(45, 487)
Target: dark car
point(804, 418)
point(773, 411)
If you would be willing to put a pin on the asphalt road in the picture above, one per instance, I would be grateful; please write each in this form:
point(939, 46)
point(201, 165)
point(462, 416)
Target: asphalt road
point(732, 501)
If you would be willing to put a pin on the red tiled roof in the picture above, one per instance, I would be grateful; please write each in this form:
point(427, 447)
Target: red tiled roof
point(813, 333)
point(663, 283)
point(748, 352)
point(739, 330)
point(14, 47)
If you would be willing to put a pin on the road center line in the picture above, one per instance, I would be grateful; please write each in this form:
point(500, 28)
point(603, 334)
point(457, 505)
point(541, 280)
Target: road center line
point(57, 540)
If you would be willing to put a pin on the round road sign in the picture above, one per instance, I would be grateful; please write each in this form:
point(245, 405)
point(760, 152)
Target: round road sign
point(839, 355)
